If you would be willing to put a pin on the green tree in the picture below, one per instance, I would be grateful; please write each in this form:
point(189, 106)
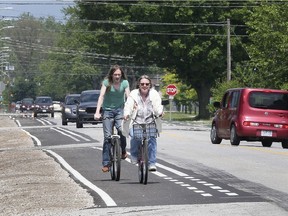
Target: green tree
point(267, 26)
point(178, 35)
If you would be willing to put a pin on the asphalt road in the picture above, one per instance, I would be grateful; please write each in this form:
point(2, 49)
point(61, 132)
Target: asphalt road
point(190, 170)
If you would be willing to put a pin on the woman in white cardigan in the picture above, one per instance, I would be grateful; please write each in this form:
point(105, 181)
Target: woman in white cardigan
point(142, 105)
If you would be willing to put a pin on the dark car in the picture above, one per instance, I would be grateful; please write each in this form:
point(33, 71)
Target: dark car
point(251, 114)
point(86, 107)
point(43, 104)
point(69, 108)
point(27, 104)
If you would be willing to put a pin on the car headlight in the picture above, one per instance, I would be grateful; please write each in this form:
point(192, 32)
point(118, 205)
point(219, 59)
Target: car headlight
point(67, 110)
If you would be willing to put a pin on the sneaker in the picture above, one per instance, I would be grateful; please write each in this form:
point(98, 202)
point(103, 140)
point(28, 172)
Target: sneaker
point(152, 168)
point(134, 160)
point(105, 169)
point(124, 156)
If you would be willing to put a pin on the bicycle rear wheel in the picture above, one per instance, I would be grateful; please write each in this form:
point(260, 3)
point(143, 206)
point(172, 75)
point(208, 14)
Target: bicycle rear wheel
point(116, 159)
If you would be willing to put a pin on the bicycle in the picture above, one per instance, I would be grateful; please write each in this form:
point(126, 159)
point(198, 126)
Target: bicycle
point(115, 152)
point(144, 132)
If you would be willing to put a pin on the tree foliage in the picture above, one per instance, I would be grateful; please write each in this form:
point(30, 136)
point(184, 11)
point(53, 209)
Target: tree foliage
point(184, 37)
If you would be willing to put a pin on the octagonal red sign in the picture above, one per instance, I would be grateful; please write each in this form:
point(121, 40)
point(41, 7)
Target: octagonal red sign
point(171, 90)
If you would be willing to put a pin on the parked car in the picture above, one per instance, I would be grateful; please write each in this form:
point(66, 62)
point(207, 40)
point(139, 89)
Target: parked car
point(43, 104)
point(69, 108)
point(27, 104)
point(57, 105)
point(253, 115)
point(18, 104)
point(86, 108)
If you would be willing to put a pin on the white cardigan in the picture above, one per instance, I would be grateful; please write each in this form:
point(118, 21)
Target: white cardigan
point(129, 109)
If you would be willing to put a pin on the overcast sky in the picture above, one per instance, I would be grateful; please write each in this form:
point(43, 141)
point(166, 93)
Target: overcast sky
point(38, 8)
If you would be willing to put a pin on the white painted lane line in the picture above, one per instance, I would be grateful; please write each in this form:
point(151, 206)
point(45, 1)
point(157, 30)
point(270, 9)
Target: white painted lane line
point(41, 121)
point(105, 197)
point(206, 195)
point(65, 134)
point(18, 123)
point(38, 142)
point(232, 194)
point(171, 170)
point(216, 187)
point(224, 191)
point(192, 188)
point(70, 132)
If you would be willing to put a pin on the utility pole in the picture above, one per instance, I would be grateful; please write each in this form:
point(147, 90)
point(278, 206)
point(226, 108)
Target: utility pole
point(228, 51)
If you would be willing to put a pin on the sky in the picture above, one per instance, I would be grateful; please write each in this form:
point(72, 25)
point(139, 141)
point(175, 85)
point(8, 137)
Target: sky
point(38, 8)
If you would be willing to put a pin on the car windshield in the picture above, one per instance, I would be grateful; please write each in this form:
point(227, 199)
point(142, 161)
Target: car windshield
point(27, 101)
point(71, 100)
point(43, 100)
point(89, 97)
point(269, 100)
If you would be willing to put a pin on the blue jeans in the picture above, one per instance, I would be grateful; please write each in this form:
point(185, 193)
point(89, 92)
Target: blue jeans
point(152, 148)
point(108, 116)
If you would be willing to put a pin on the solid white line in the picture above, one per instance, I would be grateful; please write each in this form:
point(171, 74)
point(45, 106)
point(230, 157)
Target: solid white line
point(65, 134)
point(171, 170)
point(70, 132)
point(106, 198)
point(18, 123)
point(38, 142)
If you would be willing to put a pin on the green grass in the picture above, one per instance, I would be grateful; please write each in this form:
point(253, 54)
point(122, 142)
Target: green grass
point(178, 116)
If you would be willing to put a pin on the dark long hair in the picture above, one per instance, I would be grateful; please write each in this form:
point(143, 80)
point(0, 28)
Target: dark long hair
point(110, 75)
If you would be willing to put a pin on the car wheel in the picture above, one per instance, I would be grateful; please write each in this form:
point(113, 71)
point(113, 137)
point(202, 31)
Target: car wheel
point(79, 124)
point(266, 143)
point(234, 138)
point(285, 144)
point(64, 122)
point(213, 135)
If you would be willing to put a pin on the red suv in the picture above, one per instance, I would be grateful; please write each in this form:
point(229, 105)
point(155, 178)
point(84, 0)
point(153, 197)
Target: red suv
point(251, 114)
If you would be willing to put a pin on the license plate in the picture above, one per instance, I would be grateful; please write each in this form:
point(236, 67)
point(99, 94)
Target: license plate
point(266, 133)
point(43, 110)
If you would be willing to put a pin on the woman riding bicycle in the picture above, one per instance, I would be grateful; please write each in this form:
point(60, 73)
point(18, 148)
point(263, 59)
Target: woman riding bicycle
point(112, 98)
point(142, 106)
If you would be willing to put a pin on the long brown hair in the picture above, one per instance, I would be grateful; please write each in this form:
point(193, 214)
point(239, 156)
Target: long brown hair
point(110, 75)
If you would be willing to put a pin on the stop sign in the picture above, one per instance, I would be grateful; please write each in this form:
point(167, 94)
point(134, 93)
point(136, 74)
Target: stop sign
point(171, 90)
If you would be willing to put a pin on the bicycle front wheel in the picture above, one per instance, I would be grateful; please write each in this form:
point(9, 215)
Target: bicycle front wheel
point(143, 163)
point(116, 160)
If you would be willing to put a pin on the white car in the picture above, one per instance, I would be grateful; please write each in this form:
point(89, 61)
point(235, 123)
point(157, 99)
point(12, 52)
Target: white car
point(57, 106)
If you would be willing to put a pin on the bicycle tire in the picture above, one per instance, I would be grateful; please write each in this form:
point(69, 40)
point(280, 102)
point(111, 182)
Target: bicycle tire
point(140, 163)
point(117, 159)
point(112, 159)
point(145, 162)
